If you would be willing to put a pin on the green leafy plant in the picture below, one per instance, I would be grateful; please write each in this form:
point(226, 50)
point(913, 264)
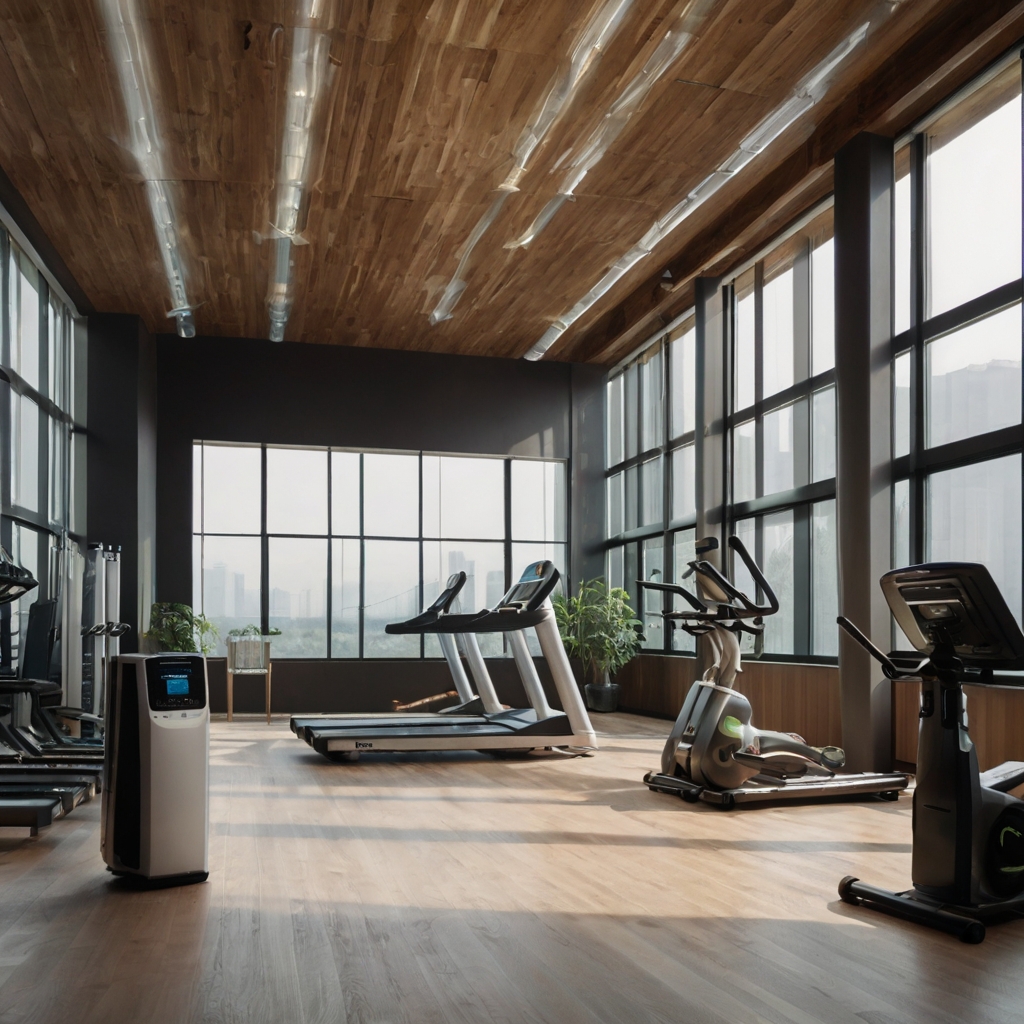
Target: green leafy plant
point(252, 630)
point(599, 627)
point(175, 627)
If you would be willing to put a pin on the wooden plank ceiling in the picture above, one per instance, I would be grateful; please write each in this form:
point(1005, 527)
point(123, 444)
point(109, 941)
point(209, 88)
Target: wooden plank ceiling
point(424, 104)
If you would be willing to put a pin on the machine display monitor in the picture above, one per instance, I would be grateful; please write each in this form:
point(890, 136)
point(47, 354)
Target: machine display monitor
point(176, 682)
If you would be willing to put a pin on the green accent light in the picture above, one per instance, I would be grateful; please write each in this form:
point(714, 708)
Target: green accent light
point(730, 726)
point(1011, 830)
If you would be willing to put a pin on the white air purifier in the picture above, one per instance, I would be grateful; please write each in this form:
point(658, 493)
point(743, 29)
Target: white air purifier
point(156, 797)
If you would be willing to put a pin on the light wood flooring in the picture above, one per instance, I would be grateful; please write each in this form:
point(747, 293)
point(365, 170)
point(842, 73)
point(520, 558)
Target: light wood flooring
point(473, 890)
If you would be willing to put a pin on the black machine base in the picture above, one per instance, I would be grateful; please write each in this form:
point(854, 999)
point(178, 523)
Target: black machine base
point(132, 881)
point(886, 786)
point(966, 923)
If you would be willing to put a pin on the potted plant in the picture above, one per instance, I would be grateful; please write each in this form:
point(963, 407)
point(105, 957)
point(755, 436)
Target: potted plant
point(175, 627)
point(599, 627)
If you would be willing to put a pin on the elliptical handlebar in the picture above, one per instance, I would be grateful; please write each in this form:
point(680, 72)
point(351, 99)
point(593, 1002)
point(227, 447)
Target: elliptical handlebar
point(754, 569)
point(889, 667)
point(674, 588)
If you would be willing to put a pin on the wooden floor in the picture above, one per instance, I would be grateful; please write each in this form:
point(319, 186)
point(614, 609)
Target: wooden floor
point(476, 890)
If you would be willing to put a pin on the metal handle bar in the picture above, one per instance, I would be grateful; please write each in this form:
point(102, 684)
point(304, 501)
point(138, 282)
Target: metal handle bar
point(752, 567)
point(674, 588)
point(889, 667)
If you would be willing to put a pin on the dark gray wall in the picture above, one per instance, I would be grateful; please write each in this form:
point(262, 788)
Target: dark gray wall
point(256, 391)
point(121, 461)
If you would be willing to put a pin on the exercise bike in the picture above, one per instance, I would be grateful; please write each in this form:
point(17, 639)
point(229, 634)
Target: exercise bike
point(968, 846)
point(714, 753)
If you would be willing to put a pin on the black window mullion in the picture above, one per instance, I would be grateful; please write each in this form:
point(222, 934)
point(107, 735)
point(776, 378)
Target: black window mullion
point(802, 590)
point(423, 597)
point(264, 547)
point(918, 292)
point(330, 553)
point(362, 560)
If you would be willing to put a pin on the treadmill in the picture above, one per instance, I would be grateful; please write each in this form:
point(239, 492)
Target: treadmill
point(479, 722)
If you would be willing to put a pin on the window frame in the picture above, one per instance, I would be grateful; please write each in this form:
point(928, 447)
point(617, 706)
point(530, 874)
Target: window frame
point(265, 535)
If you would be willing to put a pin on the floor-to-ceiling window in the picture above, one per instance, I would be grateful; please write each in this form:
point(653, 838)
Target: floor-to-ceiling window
point(957, 349)
point(781, 436)
point(37, 334)
point(651, 477)
point(329, 545)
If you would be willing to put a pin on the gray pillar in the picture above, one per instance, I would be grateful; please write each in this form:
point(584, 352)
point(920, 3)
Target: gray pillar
point(121, 487)
point(710, 441)
point(863, 306)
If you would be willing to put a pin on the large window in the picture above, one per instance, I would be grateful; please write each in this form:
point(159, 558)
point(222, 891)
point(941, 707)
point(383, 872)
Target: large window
point(781, 448)
point(957, 351)
point(329, 546)
point(36, 428)
point(651, 481)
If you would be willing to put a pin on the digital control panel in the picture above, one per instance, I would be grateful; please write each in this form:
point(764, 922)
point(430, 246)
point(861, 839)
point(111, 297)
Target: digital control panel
point(176, 682)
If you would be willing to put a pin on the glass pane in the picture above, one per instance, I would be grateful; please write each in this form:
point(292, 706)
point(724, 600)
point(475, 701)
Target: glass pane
point(392, 588)
point(616, 441)
point(653, 400)
point(630, 572)
point(197, 572)
point(823, 435)
point(974, 201)
point(901, 405)
point(231, 585)
point(900, 524)
point(823, 308)
point(777, 306)
point(745, 342)
point(25, 452)
point(778, 570)
point(746, 530)
point(631, 497)
point(391, 496)
point(613, 567)
point(25, 321)
point(684, 482)
point(682, 554)
point(653, 569)
point(744, 467)
point(779, 450)
point(231, 488)
point(974, 378)
point(484, 566)
point(824, 580)
point(973, 515)
point(631, 399)
point(615, 505)
point(25, 552)
point(684, 383)
point(538, 500)
point(652, 502)
point(345, 598)
point(58, 469)
point(197, 488)
point(901, 242)
point(298, 595)
point(900, 548)
point(296, 491)
point(345, 492)
point(56, 341)
point(463, 497)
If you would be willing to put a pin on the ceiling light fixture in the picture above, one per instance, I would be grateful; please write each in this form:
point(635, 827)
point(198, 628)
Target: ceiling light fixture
point(808, 92)
point(684, 29)
point(127, 46)
point(583, 58)
point(308, 73)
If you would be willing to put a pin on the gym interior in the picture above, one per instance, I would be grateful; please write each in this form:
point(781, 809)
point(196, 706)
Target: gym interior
point(511, 511)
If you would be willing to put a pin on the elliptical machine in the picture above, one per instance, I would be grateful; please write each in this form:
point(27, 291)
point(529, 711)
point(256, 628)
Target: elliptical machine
point(968, 847)
point(713, 753)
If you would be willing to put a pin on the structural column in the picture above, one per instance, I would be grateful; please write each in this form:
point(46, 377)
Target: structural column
point(710, 442)
point(863, 309)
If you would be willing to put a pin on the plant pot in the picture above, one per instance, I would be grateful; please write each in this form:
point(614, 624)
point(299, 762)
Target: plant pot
point(602, 696)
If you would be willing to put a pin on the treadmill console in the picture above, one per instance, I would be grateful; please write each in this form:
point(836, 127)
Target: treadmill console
point(957, 605)
point(176, 682)
point(535, 584)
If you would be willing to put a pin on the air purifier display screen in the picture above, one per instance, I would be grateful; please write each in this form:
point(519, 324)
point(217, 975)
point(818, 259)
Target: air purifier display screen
point(176, 685)
point(176, 682)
